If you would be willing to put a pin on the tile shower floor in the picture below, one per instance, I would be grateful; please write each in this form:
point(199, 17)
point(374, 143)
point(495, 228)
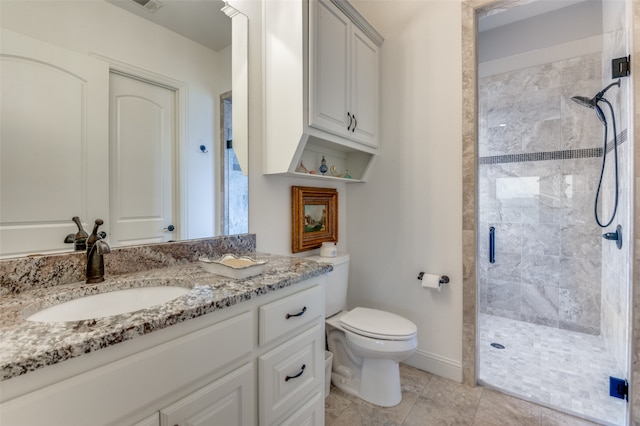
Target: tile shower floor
point(557, 368)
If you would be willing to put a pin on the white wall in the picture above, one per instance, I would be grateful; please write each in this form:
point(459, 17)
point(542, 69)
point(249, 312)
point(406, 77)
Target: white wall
point(100, 28)
point(408, 218)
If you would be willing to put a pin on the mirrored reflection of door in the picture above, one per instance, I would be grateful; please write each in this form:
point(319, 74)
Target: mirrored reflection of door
point(53, 143)
point(235, 198)
point(142, 134)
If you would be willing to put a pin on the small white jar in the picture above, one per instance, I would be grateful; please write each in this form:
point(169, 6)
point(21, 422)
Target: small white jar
point(328, 249)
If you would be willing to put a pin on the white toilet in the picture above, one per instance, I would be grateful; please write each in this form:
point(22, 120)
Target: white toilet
point(367, 344)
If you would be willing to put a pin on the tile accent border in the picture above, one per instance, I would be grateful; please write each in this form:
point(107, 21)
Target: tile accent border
point(567, 154)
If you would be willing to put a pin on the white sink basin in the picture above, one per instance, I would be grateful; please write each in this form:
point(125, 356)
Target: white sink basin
point(108, 304)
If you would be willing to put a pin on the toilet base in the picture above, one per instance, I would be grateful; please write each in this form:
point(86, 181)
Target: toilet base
point(380, 386)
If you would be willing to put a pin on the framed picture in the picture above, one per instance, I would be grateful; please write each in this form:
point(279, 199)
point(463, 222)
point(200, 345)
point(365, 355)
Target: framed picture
point(314, 213)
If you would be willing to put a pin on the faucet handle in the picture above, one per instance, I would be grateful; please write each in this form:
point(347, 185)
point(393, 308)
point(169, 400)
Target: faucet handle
point(94, 235)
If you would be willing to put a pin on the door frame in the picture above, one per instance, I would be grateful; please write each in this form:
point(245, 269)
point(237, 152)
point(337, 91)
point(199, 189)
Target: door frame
point(178, 154)
point(220, 222)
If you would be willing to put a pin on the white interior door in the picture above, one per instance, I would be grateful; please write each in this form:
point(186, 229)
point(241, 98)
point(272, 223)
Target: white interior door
point(53, 144)
point(142, 135)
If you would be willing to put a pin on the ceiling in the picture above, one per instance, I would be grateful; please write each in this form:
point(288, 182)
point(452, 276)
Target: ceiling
point(199, 20)
point(524, 11)
point(384, 18)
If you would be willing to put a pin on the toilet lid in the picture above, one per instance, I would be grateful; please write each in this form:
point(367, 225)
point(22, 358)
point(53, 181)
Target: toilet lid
point(378, 324)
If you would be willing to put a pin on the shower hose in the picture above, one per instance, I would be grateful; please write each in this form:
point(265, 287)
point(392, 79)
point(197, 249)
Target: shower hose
point(604, 161)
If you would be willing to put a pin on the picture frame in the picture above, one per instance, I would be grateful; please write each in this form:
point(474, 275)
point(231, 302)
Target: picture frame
point(314, 217)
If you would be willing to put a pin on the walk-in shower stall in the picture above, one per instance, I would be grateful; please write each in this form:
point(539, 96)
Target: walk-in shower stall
point(553, 294)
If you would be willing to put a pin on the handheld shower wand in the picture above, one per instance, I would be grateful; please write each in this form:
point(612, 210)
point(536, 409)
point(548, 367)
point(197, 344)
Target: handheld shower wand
point(593, 104)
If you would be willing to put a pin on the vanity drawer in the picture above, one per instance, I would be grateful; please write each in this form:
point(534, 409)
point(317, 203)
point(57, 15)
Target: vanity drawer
point(311, 413)
point(289, 373)
point(285, 315)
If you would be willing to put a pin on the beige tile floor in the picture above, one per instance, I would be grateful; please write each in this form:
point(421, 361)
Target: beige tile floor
point(428, 399)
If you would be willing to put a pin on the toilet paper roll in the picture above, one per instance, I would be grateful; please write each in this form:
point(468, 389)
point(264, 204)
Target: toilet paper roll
point(431, 281)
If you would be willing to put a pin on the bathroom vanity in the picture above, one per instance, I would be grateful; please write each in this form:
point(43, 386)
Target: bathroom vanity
point(242, 352)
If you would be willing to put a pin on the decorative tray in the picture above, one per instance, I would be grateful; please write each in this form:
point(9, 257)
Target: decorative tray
point(232, 266)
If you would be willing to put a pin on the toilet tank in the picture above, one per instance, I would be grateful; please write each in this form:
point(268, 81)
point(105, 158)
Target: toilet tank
point(337, 281)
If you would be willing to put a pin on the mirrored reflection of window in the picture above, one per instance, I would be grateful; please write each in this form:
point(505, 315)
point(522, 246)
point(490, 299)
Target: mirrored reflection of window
point(235, 211)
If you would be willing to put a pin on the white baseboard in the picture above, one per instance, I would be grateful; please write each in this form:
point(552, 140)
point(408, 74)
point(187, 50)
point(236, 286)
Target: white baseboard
point(436, 364)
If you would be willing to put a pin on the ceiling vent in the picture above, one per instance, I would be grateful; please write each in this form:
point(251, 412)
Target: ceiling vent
point(149, 5)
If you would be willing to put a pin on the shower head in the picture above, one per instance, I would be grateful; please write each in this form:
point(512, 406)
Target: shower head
point(584, 101)
point(593, 102)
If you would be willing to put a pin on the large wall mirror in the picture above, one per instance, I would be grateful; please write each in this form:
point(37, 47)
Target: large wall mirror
point(134, 111)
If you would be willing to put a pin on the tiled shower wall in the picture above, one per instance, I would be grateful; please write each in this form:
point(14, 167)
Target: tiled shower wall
point(538, 173)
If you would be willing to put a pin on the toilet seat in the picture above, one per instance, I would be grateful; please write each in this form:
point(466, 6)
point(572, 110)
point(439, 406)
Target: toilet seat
point(378, 324)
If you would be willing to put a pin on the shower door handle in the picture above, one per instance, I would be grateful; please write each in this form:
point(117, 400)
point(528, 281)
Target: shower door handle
point(492, 244)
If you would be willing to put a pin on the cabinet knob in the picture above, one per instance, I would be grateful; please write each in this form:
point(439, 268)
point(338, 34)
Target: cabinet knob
point(170, 228)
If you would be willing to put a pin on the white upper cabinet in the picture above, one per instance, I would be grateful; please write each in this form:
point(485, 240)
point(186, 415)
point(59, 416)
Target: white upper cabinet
point(329, 35)
point(343, 76)
point(365, 88)
point(321, 81)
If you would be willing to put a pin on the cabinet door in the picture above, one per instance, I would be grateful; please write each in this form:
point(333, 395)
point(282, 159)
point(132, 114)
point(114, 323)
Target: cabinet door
point(364, 89)
point(153, 420)
point(226, 402)
point(288, 373)
point(310, 414)
point(329, 68)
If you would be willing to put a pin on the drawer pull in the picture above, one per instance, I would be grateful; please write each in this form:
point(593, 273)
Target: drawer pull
point(304, 309)
point(286, 379)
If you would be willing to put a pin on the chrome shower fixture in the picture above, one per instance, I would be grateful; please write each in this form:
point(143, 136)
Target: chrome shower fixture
point(598, 97)
point(593, 102)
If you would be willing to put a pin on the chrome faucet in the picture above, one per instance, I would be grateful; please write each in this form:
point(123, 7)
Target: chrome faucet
point(96, 247)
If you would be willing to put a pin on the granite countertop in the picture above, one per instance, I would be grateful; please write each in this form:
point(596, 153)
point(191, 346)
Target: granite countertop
point(27, 346)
